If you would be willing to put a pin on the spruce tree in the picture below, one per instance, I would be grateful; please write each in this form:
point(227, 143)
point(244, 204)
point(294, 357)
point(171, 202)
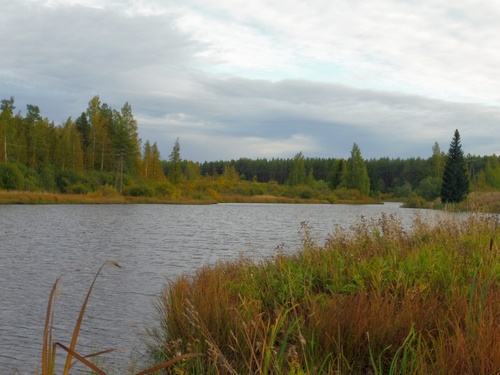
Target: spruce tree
point(455, 177)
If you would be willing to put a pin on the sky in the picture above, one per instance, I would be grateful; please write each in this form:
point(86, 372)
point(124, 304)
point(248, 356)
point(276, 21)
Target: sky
point(265, 79)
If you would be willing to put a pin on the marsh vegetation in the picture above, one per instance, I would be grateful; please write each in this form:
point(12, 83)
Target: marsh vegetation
point(374, 299)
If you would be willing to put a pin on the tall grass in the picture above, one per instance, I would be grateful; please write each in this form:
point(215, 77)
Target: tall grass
point(374, 299)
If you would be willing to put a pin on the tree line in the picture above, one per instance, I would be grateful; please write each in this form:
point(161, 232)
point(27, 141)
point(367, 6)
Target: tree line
point(101, 143)
point(384, 176)
point(102, 148)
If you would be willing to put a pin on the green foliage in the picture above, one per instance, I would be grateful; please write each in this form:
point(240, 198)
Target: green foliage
point(403, 191)
point(10, 177)
point(175, 171)
point(78, 188)
point(455, 177)
point(338, 170)
point(165, 189)
point(356, 176)
point(429, 188)
point(305, 192)
point(438, 160)
point(46, 178)
point(139, 191)
point(297, 171)
point(71, 179)
point(413, 200)
point(492, 172)
point(344, 194)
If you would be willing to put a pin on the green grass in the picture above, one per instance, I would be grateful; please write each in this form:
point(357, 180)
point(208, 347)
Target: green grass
point(374, 299)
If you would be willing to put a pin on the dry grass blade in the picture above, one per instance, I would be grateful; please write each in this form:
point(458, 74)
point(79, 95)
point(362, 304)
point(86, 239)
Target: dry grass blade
point(47, 351)
point(81, 359)
point(169, 363)
point(80, 317)
point(100, 353)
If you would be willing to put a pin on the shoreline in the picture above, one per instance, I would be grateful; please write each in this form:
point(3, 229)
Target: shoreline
point(35, 198)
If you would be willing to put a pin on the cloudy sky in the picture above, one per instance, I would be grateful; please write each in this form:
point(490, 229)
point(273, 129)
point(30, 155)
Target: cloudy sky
point(240, 78)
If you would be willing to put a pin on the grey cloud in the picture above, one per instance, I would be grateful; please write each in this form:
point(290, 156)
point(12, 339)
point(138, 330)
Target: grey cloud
point(58, 58)
point(386, 124)
point(69, 54)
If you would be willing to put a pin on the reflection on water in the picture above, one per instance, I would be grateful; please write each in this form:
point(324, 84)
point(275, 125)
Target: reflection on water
point(153, 244)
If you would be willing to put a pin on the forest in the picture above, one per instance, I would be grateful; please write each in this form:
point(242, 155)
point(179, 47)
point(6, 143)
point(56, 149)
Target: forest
point(100, 153)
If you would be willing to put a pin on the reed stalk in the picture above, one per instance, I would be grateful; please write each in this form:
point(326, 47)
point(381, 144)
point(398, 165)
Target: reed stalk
point(49, 346)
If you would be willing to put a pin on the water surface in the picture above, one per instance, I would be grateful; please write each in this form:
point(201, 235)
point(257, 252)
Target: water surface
point(152, 243)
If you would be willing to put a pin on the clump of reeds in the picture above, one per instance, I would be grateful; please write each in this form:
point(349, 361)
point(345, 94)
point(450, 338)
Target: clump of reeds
point(374, 299)
point(49, 347)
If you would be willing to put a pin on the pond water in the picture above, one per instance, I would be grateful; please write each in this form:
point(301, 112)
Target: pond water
point(152, 243)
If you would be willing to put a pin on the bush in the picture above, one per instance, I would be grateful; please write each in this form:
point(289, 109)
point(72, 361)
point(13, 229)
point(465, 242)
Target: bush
point(344, 194)
point(430, 188)
point(11, 177)
point(68, 181)
point(415, 201)
point(306, 193)
point(139, 191)
point(403, 191)
point(165, 189)
point(47, 178)
point(78, 188)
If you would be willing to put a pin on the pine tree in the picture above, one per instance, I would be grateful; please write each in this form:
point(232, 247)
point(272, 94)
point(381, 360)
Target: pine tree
point(455, 177)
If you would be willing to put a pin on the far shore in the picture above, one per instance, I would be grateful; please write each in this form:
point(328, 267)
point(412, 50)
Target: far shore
point(24, 197)
point(476, 202)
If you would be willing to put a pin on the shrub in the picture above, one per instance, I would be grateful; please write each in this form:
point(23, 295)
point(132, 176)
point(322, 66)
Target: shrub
point(11, 177)
point(105, 191)
point(71, 179)
point(78, 188)
point(347, 194)
point(165, 189)
point(139, 191)
point(415, 201)
point(306, 192)
point(403, 191)
point(430, 188)
point(46, 178)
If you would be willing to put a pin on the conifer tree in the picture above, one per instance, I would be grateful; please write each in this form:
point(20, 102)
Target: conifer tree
point(156, 167)
point(175, 171)
point(455, 177)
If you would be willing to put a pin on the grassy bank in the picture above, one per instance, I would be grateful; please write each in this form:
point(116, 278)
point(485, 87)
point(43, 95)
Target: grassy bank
point(375, 299)
point(23, 197)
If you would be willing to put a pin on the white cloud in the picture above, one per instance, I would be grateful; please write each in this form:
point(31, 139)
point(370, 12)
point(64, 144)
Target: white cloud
point(426, 47)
